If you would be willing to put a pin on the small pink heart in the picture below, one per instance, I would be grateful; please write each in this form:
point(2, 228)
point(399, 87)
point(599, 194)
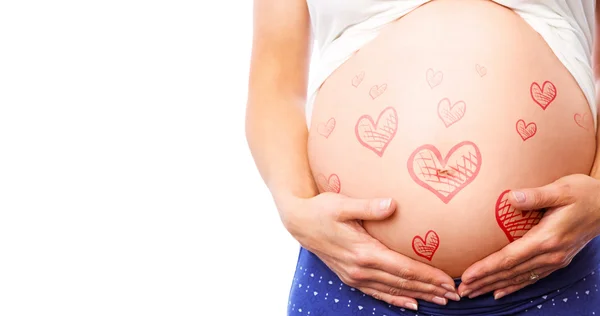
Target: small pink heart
point(376, 136)
point(325, 129)
point(358, 79)
point(434, 78)
point(582, 120)
point(331, 184)
point(526, 131)
point(482, 71)
point(427, 247)
point(451, 114)
point(376, 90)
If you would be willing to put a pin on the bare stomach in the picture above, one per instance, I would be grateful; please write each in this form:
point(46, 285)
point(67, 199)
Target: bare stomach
point(449, 107)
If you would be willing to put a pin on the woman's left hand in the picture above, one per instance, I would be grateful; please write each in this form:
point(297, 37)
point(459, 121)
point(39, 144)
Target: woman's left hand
point(571, 220)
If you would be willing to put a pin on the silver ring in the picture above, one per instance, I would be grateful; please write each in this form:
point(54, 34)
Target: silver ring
point(533, 276)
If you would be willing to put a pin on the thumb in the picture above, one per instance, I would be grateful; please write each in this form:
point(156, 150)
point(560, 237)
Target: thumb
point(550, 195)
point(361, 209)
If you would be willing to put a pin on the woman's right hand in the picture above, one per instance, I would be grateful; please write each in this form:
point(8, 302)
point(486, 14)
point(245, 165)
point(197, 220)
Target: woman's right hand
point(329, 225)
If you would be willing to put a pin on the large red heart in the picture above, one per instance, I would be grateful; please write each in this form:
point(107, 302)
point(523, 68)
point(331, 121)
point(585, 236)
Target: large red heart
point(445, 177)
point(449, 113)
point(514, 223)
point(376, 136)
point(331, 184)
point(434, 78)
point(526, 131)
point(426, 248)
point(582, 120)
point(325, 129)
point(543, 96)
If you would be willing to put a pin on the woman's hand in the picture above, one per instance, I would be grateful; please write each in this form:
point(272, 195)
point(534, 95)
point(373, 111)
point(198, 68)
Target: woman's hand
point(329, 225)
point(571, 220)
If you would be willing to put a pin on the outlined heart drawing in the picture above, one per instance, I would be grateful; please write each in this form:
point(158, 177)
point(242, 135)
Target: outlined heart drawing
point(356, 80)
point(445, 177)
point(376, 136)
point(526, 131)
point(325, 129)
point(482, 71)
point(331, 184)
point(426, 248)
point(582, 121)
point(514, 223)
point(434, 78)
point(543, 96)
point(450, 114)
point(376, 91)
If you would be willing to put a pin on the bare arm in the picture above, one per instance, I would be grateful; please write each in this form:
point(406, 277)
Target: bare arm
point(275, 125)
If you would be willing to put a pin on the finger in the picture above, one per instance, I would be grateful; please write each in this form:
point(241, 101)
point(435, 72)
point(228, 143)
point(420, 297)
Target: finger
point(539, 261)
point(356, 209)
point(502, 292)
point(400, 301)
point(409, 269)
point(380, 288)
point(516, 281)
point(551, 195)
point(513, 254)
point(399, 286)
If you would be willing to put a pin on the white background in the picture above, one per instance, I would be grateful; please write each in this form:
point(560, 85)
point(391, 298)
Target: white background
point(126, 184)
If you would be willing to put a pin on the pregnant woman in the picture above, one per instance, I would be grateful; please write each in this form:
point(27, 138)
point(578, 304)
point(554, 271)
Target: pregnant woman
point(427, 123)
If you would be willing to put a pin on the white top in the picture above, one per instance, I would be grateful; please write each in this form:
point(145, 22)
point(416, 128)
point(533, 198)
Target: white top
point(341, 27)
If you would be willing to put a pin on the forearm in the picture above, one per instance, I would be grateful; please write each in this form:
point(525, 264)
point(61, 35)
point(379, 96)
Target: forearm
point(596, 68)
point(277, 136)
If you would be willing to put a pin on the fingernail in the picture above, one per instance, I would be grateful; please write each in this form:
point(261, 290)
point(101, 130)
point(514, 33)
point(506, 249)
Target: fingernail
point(384, 205)
point(465, 293)
point(412, 306)
point(449, 287)
point(474, 295)
point(499, 295)
point(438, 300)
point(452, 296)
point(519, 196)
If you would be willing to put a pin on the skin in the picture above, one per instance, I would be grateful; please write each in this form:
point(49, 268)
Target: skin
point(572, 220)
point(277, 136)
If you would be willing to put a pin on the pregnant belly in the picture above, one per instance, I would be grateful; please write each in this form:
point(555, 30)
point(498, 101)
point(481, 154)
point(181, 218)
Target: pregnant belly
point(447, 109)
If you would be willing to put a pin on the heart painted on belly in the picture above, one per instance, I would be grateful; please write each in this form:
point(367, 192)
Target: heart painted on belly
point(325, 129)
point(434, 78)
point(358, 79)
point(451, 114)
point(376, 136)
point(376, 90)
point(426, 248)
point(545, 95)
point(582, 120)
point(331, 184)
point(482, 71)
point(445, 177)
point(526, 131)
point(514, 223)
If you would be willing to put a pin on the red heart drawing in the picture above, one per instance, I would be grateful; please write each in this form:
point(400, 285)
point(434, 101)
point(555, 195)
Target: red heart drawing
point(376, 90)
point(325, 129)
point(445, 177)
point(358, 79)
point(514, 223)
point(426, 248)
point(331, 184)
point(434, 78)
point(526, 131)
point(376, 136)
point(545, 95)
point(482, 71)
point(582, 120)
point(451, 114)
